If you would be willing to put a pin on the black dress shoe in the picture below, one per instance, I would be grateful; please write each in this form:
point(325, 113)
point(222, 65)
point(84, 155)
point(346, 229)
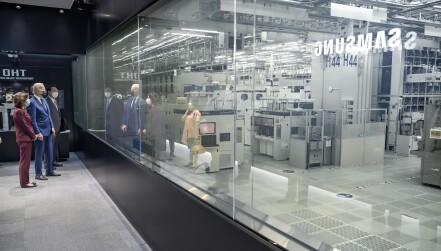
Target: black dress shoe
point(40, 177)
point(53, 174)
point(30, 185)
point(57, 164)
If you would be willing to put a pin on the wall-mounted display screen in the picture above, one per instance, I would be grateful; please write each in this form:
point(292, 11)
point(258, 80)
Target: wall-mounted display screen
point(208, 140)
point(207, 128)
point(267, 121)
point(223, 137)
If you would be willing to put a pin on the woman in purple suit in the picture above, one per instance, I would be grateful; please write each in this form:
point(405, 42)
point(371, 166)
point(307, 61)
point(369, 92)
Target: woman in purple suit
point(25, 135)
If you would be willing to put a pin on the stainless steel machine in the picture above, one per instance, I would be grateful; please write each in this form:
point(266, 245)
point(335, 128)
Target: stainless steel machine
point(308, 147)
point(431, 158)
point(271, 134)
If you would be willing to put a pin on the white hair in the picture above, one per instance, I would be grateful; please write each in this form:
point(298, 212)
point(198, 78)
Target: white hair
point(36, 85)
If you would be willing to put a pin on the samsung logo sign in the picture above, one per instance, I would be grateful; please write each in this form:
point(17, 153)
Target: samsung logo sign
point(365, 42)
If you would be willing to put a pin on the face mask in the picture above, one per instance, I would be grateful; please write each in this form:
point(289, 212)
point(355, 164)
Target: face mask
point(28, 102)
point(108, 94)
point(148, 101)
point(55, 94)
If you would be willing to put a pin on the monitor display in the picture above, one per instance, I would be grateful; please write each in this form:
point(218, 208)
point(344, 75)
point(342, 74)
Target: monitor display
point(207, 128)
point(268, 121)
point(224, 137)
point(208, 140)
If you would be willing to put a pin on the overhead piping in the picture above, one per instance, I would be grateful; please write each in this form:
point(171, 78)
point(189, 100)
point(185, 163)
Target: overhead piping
point(382, 3)
point(422, 6)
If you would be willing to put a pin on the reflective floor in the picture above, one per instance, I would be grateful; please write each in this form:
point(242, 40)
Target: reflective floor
point(389, 208)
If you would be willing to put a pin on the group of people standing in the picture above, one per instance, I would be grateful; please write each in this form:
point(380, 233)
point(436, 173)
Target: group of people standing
point(37, 121)
point(147, 117)
point(137, 117)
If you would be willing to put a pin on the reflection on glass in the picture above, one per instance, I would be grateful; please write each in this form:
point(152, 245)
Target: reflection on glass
point(190, 134)
point(216, 92)
point(114, 112)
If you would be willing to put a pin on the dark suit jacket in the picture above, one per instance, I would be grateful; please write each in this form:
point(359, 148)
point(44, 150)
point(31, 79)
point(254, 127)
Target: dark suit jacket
point(134, 115)
point(40, 115)
point(55, 114)
point(114, 115)
point(23, 126)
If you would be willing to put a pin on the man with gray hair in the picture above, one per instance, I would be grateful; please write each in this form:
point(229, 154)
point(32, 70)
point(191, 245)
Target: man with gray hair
point(39, 111)
point(133, 119)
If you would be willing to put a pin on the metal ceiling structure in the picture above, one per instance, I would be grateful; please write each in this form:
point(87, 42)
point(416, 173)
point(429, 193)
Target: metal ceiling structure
point(400, 11)
point(406, 14)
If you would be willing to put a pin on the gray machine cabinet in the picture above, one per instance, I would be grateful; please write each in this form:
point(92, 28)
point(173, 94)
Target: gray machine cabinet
point(431, 158)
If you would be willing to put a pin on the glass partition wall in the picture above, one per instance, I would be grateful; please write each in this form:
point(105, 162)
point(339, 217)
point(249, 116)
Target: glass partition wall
point(254, 107)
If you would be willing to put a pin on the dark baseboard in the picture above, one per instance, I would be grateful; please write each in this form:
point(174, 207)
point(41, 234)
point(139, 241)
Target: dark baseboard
point(165, 215)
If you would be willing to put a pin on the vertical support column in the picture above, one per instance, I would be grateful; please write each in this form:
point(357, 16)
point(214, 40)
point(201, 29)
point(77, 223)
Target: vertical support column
point(396, 88)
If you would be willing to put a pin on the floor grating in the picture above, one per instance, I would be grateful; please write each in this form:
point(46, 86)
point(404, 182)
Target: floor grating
point(306, 214)
point(326, 222)
point(376, 243)
point(350, 232)
point(350, 246)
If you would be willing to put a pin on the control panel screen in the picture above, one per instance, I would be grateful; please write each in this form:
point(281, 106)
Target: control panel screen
point(207, 128)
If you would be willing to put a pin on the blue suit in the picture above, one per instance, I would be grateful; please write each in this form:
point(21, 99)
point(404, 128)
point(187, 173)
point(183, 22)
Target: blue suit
point(134, 115)
point(42, 123)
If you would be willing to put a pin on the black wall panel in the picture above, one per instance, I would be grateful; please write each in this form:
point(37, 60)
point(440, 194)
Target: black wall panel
point(105, 15)
point(42, 30)
point(167, 217)
point(35, 29)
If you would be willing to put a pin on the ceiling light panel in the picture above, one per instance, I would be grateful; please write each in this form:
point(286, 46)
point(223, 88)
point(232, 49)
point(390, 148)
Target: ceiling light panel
point(359, 13)
point(59, 4)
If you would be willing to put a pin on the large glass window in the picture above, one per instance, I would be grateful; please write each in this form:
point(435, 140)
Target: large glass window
point(287, 116)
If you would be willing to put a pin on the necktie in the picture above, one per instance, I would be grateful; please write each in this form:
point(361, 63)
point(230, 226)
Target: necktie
point(55, 103)
point(44, 105)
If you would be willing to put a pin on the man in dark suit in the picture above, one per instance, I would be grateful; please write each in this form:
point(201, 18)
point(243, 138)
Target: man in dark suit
point(113, 110)
point(51, 99)
point(133, 120)
point(38, 109)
